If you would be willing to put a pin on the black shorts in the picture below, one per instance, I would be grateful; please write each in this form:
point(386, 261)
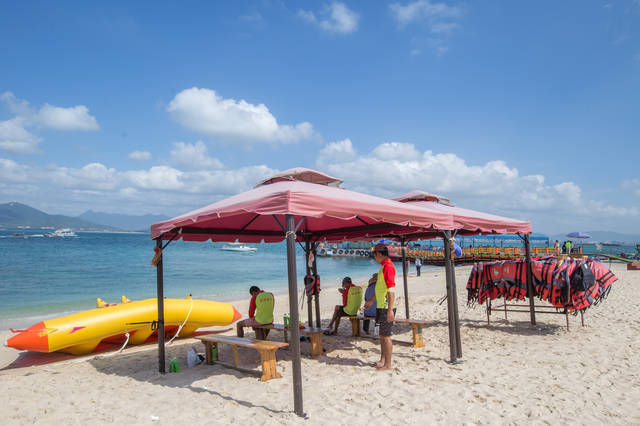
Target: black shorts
point(381, 321)
point(342, 313)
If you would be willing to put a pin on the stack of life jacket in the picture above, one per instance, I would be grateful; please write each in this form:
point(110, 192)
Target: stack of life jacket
point(571, 284)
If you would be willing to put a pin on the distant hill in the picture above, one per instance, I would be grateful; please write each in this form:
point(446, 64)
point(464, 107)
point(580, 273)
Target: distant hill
point(13, 215)
point(602, 236)
point(123, 221)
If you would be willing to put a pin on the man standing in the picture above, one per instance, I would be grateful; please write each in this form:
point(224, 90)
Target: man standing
point(418, 265)
point(384, 296)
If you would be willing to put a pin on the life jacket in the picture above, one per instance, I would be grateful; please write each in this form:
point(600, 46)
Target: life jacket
point(473, 284)
point(354, 300)
point(264, 308)
point(514, 280)
point(312, 285)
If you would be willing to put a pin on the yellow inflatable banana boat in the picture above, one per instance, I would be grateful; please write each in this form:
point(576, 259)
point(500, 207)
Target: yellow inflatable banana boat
point(82, 332)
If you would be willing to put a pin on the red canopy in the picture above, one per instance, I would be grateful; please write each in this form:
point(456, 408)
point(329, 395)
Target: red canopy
point(330, 213)
point(467, 221)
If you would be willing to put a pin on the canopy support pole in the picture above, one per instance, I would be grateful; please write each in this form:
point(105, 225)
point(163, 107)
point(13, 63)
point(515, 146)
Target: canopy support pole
point(316, 296)
point(160, 298)
point(530, 291)
point(294, 340)
point(453, 324)
point(404, 277)
point(307, 251)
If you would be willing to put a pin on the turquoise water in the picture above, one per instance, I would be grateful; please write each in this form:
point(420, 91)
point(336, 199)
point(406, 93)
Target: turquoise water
point(46, 277)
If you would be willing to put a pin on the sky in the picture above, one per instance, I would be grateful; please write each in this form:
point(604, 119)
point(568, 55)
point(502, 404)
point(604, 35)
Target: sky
point(529, 110)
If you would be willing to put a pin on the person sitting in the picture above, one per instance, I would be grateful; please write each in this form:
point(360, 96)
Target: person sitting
point(351, 301)
point(368, 294)
point(260, 311)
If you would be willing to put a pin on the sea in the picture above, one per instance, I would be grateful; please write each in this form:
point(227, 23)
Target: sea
point(43, 278)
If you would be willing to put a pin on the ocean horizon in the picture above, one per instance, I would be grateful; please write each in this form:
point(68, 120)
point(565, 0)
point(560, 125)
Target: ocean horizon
point(49, 277)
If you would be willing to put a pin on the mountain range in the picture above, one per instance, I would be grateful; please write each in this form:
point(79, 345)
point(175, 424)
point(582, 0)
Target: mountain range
point(14, 215)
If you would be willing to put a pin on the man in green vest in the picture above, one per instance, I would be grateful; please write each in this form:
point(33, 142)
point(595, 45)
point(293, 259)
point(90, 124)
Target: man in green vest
point(384, 296)
point(351, 301)
point(260, 310)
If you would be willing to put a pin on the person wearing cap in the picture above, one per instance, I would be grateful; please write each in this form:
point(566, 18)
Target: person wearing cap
point(339, 311)
point(384, 296)
point(260, 310)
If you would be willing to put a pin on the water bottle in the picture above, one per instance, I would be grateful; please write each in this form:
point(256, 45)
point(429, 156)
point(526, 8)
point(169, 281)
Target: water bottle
point(286, 320)
point(214, 353)
point(376, 330)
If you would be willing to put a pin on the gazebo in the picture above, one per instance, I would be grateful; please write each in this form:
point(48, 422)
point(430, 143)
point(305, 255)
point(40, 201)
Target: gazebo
point(298, 205)
point(468, 222)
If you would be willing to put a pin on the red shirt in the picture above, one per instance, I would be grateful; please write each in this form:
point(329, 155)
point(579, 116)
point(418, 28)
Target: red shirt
point(345, 294)
point(252, 304)
point(389, 273)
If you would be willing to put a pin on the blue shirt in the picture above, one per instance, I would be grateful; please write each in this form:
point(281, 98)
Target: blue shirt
point(368, 294)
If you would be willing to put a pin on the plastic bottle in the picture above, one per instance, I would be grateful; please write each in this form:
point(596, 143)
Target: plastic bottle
point(286, 320)
point(174, 366)
point(214, 353)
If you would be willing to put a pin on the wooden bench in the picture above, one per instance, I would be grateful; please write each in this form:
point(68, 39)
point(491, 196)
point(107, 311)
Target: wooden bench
point(266, 349)
point(416, 328)
point(314, 334)
point(355, 323)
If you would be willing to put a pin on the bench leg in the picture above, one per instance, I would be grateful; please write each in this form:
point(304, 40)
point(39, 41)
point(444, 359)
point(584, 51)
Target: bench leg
point(355, 327)
point(268, 358)
point(316, 344)
point(235, 355)
point(418, 342)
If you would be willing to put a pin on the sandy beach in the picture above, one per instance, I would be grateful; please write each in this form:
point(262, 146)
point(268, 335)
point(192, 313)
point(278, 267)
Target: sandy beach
point(510, 373)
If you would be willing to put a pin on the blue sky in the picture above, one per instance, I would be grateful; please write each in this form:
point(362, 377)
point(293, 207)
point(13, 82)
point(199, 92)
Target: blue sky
point(529, 110)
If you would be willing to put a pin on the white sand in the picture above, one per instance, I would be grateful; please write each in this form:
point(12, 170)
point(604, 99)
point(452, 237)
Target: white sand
point(511, 373)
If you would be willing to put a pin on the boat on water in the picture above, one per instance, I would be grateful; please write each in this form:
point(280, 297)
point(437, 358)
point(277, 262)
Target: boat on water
point(82, 332)
point(61, 233)
point(238, 247)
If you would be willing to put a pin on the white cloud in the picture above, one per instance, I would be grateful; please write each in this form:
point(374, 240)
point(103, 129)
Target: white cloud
point(634, 185)
point(334, 18)
point(441, 21)
point(72, 118)
point(15, 138)
point(394, 168)
point(162, 188)
point(193, 156)
point(336, 151)
point(139, 155)
point(205, 111)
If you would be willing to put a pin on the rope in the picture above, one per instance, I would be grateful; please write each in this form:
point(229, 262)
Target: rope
point(105, 355)
point(290, 233)
point(180, 328)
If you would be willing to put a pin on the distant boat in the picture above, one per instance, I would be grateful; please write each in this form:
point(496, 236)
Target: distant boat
point(18, 235)
point(238, 247)
point(61, 233)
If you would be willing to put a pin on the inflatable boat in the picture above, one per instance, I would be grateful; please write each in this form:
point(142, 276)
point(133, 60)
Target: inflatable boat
point(81, 333)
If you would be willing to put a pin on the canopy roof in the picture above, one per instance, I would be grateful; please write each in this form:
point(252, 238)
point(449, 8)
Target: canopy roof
point(467, 221)
point(330, 213)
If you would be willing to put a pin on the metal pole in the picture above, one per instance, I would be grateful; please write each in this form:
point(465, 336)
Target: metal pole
point(404, 277)
point(316, 296)
point(307, 251)
point(160, 296)
point(294, 342)
point(447, 268)
point(530, 290)
point(456, 318)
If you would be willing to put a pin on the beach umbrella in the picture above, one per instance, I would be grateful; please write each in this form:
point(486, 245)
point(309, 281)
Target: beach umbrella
point(296, 205)
point(578, 235)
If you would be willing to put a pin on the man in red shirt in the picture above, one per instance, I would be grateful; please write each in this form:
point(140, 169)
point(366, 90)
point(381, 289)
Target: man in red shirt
point(339, 312)
point(385, 298)
point(252, 321)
